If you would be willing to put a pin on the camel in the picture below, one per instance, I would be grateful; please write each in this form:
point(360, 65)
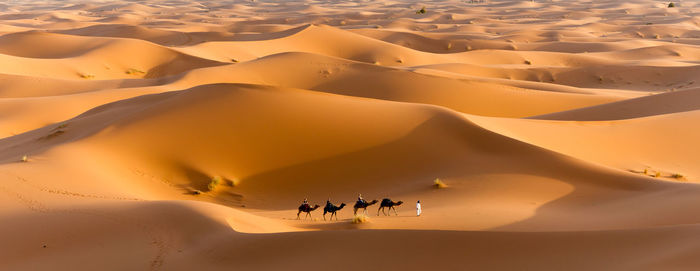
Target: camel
point(306, 208)
point(330, 208)
point(363, 205)
point(390, 204)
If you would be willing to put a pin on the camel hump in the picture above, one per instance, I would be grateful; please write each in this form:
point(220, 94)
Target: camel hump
point(386, 201)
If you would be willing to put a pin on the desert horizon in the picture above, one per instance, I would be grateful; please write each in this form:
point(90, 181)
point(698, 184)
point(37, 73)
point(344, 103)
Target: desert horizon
point(289, 135)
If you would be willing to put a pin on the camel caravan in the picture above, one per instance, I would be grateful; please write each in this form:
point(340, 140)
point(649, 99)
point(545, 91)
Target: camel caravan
point(385, 205)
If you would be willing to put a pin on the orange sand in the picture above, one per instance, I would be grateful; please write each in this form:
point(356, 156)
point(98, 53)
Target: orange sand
point(565, 131)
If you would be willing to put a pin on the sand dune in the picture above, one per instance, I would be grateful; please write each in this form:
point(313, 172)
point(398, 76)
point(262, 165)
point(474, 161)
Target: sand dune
point(664, 103)
point(162, 37)
point(91, 60)
point(179, 135)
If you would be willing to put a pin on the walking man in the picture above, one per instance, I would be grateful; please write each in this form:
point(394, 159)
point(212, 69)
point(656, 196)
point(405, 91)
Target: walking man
point(418, 209)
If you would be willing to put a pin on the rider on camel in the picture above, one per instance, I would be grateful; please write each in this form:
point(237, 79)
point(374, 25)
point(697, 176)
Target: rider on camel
point(360, 199)
point(328, 203)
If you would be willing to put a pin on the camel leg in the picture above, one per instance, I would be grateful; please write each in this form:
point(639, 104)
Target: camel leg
point(307, 215)
point(336, 216)
point(397, 214)
point(378, 210)
point(298, 215)
point(354, 211)
point(324, 216)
